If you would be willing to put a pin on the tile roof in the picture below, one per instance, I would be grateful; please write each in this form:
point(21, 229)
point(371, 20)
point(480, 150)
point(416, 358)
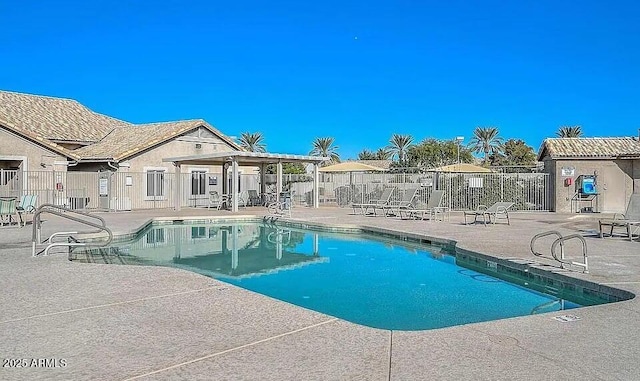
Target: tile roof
point(124, 142)
point(623, 147)
point(384, 164)
point(47, 120)
point(55, 118)
point(351, 166)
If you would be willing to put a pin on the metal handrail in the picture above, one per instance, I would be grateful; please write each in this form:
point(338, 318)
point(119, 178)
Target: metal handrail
point(58, 234)
point(280, 233)
point(560, 241)
point(64, 212)
point(540, 235)
point(547, 304)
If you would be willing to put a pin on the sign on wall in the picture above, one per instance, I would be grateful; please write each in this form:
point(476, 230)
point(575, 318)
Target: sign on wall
point(475, 182)
point(103, 187)
point(568, 171)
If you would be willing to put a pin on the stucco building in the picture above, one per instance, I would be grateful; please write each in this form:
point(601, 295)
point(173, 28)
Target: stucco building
point(615, 163)
point(64, 151)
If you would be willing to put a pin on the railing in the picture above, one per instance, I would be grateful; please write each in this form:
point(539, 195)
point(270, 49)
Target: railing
point(69, 214)
point(156, 190)
point(560, 242)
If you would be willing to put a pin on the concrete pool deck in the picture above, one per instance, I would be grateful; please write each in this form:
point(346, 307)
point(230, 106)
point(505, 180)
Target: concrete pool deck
point(134, 322)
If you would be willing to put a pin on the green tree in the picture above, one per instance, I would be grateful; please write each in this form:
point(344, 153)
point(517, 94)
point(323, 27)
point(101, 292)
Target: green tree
point(569, 132)
point(432, 153)
point(365, 154)
point(287, 168)
point(399, 146)
point(515, 152)
point(487, 141)
point(325, 147)
point(380, 154)
point(383, 154)
point(252, 142)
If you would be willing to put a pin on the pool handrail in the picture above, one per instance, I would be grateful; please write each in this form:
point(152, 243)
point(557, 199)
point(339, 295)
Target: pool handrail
point(560, 241)
point(67, 213)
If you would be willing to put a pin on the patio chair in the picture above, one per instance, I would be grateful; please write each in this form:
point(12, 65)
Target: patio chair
point(497, 210)
point(242, 197)
point(430, 210)
point(253, 198)
point(215, 200)
point(281, 207)
point(27, 205)
point(383, 199)
point(8, 208)
point(631, 217)
point(393, 207)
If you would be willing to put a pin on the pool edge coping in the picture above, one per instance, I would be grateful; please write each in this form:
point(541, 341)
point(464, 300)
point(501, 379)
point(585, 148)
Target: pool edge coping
point(518, 264)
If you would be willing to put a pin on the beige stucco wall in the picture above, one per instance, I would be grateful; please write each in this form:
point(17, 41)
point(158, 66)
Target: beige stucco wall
point(176, 147)
point(12, 145)
point(615, 183)
point(135, 166)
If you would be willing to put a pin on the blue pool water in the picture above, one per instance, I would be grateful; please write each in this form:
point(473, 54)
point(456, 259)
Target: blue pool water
point(364, 279)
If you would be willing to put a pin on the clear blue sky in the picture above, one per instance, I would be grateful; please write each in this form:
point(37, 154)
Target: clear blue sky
point(294, 70)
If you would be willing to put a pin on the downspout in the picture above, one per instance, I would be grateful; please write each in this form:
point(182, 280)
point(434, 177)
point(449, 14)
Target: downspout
point(115, 169)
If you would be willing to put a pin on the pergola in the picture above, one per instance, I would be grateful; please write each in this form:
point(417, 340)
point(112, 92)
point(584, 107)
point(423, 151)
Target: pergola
point(242, 158)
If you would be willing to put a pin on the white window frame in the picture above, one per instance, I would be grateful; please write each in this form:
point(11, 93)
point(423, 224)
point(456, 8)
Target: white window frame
point(206, 181)
point(200, 232)
point(161, 197)
point(156, 236)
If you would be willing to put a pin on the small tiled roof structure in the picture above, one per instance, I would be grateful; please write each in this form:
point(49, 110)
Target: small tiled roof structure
point(462, 168)
point(49, 120)
point(351, 166)
point(384, 164)
point(590, 148)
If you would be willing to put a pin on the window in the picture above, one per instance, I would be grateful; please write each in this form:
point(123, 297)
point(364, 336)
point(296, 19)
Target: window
point(198, 183)
point(155, 236)
point(7, 175)
point(155, 183)
point(198, 232)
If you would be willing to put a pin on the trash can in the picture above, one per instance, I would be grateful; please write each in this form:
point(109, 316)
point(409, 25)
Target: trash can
point(285, 200)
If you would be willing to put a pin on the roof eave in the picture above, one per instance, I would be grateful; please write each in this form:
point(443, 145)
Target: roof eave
point(39, 140)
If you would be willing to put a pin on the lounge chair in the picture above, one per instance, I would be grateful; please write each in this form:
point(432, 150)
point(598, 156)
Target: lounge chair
point(408, 198)
point(384, 199)
point(253, 197)
point(27, 205)
point(497, 210)
point(430, 209)
point(8, 208)
point(281, 207)
point(215, 200)
point(631, 217)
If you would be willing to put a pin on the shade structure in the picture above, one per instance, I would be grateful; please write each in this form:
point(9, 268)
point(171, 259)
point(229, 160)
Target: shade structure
point(462, 167)
point(351, 166)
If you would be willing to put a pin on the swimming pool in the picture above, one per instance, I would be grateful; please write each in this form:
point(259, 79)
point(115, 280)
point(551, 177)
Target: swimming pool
point(363, 278)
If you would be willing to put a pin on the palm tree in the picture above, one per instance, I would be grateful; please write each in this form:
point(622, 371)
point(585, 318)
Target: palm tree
point(325, 147)
point(486, 140)
point(252, 142)
point(383, 154)
point(569, 132)
point(365, 154)
point(399, 146)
